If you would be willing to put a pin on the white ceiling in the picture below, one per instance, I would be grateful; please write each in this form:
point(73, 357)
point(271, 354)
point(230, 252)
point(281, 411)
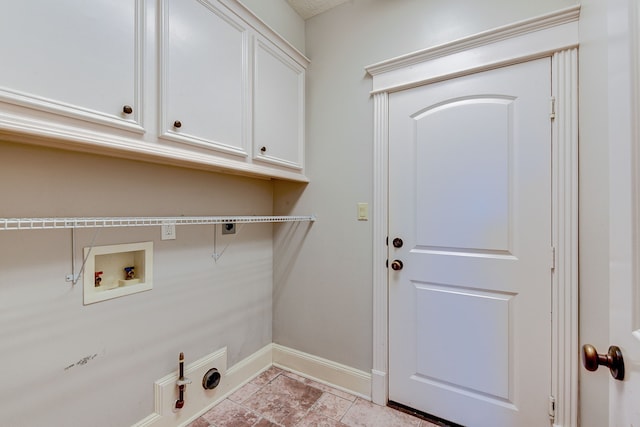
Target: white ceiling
point(308, 8)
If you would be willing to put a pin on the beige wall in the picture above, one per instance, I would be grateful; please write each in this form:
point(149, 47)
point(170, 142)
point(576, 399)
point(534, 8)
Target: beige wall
point(197, 305)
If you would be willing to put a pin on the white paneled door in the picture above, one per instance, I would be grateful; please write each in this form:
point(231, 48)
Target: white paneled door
point(623, 90)
point(470, 251)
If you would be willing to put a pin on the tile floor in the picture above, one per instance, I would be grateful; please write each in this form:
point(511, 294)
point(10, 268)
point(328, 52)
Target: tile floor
point(280, 398)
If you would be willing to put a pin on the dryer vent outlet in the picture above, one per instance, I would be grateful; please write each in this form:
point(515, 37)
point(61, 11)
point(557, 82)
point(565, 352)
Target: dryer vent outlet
point(211, 379)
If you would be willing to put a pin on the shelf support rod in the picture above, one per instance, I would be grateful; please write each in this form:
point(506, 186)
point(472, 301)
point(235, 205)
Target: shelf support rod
point(73, 277)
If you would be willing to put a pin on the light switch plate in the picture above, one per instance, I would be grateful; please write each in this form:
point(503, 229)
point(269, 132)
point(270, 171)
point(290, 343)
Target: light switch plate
point(363, 211)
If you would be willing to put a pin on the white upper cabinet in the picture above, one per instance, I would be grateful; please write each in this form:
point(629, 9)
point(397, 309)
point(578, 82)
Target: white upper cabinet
point(205, 82)
point(75, 58)
point(219, 84)
point(278, 128)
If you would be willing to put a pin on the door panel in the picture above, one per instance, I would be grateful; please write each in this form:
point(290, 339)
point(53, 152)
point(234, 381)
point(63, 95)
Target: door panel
point(446, 222)
point(470, 195)
point(481, 362)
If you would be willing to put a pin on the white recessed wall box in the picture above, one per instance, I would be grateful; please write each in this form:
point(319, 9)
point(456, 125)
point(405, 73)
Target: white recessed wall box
point(117, 270)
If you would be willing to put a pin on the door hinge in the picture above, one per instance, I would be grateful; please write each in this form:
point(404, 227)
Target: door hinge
point(552, 107)
point(552, 408)
point(553, 257)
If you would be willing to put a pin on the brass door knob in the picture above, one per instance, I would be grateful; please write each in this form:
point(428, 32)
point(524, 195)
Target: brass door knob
point(396, 265)
point(612, 360)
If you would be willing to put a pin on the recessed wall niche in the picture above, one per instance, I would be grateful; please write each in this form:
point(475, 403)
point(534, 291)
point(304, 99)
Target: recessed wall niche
point(117, 270)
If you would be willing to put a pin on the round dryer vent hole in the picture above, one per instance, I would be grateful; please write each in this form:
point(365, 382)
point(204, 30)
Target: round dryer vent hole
point(211, 379)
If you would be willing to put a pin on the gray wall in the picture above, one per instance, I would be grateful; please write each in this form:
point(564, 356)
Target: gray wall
point(323, 305)
point(322, 288)
point(280, 17)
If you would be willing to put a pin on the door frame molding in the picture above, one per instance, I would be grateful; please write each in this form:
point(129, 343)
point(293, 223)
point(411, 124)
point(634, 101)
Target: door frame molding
point(623, 90)
point(552, 35)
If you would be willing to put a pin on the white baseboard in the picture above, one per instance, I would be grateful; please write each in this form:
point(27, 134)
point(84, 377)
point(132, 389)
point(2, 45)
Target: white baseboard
point(198, 400)
point(324, 371)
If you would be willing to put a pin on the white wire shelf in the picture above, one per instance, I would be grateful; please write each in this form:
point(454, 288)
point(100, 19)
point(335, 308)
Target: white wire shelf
point(106, 222)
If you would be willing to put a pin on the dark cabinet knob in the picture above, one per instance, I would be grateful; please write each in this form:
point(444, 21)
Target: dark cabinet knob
point(263, 149)
point(397, 242)
point(177, 124)
point(127, 109)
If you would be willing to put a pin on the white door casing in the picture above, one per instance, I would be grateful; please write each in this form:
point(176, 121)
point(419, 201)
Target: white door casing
point(624, 214)
point(470, 196)
point(554, 35)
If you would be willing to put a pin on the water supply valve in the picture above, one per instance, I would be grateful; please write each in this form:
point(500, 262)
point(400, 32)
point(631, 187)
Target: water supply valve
point(181, 383)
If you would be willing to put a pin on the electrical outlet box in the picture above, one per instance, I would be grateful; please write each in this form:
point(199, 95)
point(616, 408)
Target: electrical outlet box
point(168, 232)
point(229, 228)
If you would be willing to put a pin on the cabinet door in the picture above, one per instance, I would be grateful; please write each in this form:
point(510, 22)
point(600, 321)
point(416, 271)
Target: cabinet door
point(278, 117)
point(75, 58)
point(204, 76)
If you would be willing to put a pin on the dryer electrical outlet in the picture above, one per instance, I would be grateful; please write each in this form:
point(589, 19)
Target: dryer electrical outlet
point(229, 228)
